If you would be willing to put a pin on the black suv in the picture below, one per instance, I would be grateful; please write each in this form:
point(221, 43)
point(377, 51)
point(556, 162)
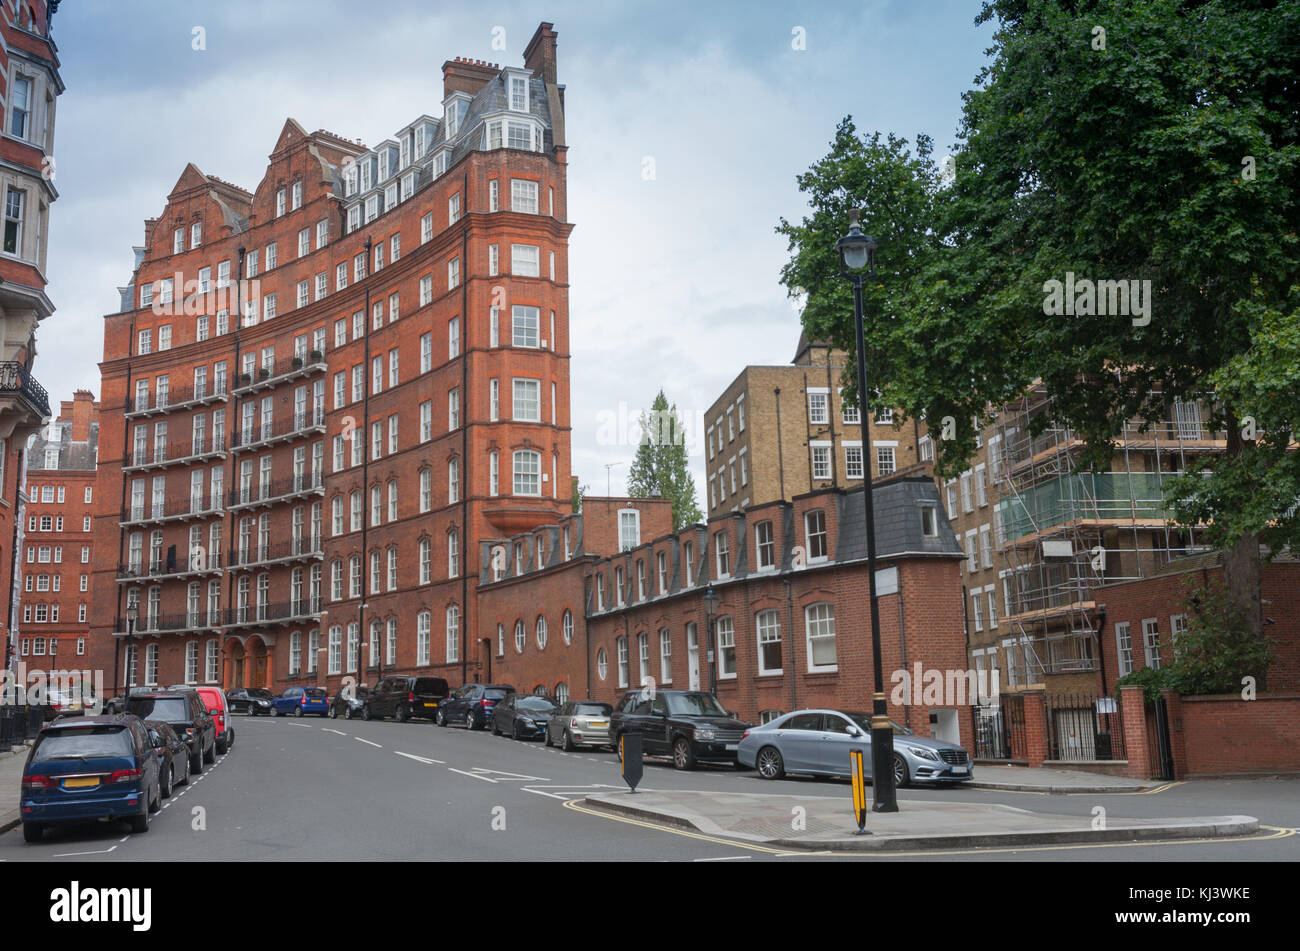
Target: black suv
point(405, 697)
point(472, 704)
point(687, 725)
point(184, 712)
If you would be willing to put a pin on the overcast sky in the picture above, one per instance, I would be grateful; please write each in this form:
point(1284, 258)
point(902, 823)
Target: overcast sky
point(674, 278)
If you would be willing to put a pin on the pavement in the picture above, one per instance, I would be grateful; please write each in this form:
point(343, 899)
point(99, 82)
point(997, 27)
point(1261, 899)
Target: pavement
point(1053, 780)
point(11, 775)
point(824, 823)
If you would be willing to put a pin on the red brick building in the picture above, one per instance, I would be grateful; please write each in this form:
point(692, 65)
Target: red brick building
point(322, 393)
point(29, 86)
point(56, 552)
point(791, 620)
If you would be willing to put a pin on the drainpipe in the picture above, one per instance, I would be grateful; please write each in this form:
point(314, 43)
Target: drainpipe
point(780, 453)
point(462, 543)
point(902, 645)
point(789, 626)
point(367, 383)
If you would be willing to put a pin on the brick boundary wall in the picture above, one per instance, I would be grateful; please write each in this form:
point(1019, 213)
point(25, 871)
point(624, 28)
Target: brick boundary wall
point(1134, 712)
point(1222, 734)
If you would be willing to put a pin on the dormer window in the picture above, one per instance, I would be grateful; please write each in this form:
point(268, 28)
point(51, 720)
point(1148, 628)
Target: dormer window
point(419, 142)
point(519, 135)
point(383, 165)
point(404, 152)
point(519, 93)
point(367, 175)
point(494, 135)
point(451, 120)
point(350, 178)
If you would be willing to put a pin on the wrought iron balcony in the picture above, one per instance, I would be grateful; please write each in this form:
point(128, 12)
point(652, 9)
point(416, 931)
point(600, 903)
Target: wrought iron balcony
point(17, 382)
point(256, 556)
point(176, 453)
point(277, 491)
point(172, 508)
point(198, 563)
point(263, 615)
point(282, 370)
point(305, 423)
point(176, 398)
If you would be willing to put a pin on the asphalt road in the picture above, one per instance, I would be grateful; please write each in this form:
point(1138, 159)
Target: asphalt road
point(314, 789)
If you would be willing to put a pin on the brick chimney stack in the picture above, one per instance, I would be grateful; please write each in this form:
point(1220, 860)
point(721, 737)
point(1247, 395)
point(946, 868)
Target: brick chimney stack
point(540, 54)
point(81, 411)
point(467, 75)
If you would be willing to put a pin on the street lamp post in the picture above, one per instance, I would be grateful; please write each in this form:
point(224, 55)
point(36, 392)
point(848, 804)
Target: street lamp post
point(711, 600)
point(857, 253)
point(132, 615)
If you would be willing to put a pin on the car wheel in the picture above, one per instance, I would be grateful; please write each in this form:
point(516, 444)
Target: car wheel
point(900, 772)
point(683, 755)
point(196, 763)
point(140, 823)
point(297, 711)
point(165, 784)
point(546, 735)
point(156, 802)
point(334, 712)
point(441, 719)
point(279, 712)
point(210, 754)
point(618, 748)
point(770, 764)
point(185, 780)
point(401, 715)
point(567, 740)
point(33, 832)
point(347, 712)
point(514, 731)
point(222, 746)
point(469, 721)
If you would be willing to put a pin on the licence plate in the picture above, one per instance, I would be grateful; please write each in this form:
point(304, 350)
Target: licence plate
point(83, 782)
point(732, 746)
point(430, 704)
point(597, 725)
point(961, 769)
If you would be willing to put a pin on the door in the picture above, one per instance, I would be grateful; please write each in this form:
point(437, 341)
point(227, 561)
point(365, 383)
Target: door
point(836, 742)
point(656, 732)
point(259, 667)
point(799, 742)
point(693, 656)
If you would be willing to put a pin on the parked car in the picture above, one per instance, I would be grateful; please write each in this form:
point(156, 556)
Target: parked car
point(173, 756)
point(472, 704)
point(62, 702)
point(688, 725)
point(301, 700)
point(349, 702)
point(817, 743)
point(215, 700)
point(90, 767)
point(250, 700)
point(405, 697)
point(185, 712)
point(523, 716)
point(579, 723)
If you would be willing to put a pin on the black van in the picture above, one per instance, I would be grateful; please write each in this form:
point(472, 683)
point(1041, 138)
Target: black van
point(403, 698)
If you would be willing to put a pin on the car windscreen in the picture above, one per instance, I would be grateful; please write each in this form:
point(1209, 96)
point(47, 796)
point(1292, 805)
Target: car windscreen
point(863, 720)
point(99, 741)
point(540, 704)
point(694, 705)
point(494, 694)
point(314, 692)
point(431, 685)
point(169, 709)
point(260, 693)
point(593, 709)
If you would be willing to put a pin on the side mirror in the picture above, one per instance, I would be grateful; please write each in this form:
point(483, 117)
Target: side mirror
point(214, 712)
point(854, 731)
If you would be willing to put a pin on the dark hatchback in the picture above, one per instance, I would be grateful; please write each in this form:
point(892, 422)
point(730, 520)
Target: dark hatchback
point(254, 701)
point(91, 767)
point(404, 698)
point(173, 756)
point(472, 704)
point(523, 716)
point(349, 702)
point(184, 712)
point(688, 725)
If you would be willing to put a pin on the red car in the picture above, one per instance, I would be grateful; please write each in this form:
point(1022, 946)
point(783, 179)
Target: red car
point(214, 699)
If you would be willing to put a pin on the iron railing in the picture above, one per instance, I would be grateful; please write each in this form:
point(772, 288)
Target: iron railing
point(284, 366)
point(19, 723)
point(277, 489)
point(1085, 727)
point(174, 506)
point(175, 452)
point(176, 397)
point(284, 428)
point(15, 378)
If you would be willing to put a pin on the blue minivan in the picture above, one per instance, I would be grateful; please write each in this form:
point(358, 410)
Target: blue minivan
point(301, 700)
point(94, 767)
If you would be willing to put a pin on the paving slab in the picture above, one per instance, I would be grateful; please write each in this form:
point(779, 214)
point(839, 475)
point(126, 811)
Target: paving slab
point(827, 823)
point(1053, 780)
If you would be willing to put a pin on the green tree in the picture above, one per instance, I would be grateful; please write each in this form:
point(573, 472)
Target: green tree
point(661, 468)
point(1165, 150)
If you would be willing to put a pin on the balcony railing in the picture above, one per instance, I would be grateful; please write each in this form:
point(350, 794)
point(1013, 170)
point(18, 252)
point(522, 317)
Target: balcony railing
point(143, 457)
point(261, 614)
point(263, 554)
point(173, 507)
point(176, 397)
point(286, 427)
point(281, 369)
point(196, 563)
point(15, 380)
point(277, 490)
point(183, 621)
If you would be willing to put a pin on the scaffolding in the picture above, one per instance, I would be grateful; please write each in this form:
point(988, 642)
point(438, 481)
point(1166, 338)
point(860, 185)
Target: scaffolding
point(1063, 531)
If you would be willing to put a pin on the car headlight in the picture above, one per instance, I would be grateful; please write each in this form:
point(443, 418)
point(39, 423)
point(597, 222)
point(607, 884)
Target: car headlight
point(922, 752)
point(704, 734)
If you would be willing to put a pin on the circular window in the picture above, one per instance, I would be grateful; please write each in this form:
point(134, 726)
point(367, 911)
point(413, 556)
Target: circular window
point(561, 693)
point(602, 665)
point(568, 627)
point(541, 633)
point(521, 636)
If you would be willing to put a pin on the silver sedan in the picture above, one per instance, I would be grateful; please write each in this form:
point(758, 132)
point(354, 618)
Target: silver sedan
point(579, 723)
point(817, 742)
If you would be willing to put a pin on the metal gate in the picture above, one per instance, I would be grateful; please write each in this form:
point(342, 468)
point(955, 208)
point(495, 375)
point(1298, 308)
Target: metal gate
point(1000, 733)
point(1161, 746)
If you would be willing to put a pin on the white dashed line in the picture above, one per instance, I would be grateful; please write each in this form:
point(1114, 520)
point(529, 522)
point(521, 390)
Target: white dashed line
point(359, 740)
point(726, 858)
point(64, 855)
point(421, 759)
point(326, 729)
point(472, 775)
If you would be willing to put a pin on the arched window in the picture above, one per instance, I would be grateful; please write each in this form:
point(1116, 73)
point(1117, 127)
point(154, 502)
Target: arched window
point(453, 633)
point(541, 632)
point(602, 663)
point(521, 636)
point(567, 627)
point(561, 693)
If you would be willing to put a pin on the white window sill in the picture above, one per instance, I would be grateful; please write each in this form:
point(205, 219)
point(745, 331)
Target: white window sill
point(833, 669)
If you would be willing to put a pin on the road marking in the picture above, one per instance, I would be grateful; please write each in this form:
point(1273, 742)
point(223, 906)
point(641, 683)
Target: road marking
point(358, 739)
point(421, 759)
point(725, 858)
point(473, 775)
point(64, 855)
point(306, 726)
point(326, 729)
point(572, 804)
